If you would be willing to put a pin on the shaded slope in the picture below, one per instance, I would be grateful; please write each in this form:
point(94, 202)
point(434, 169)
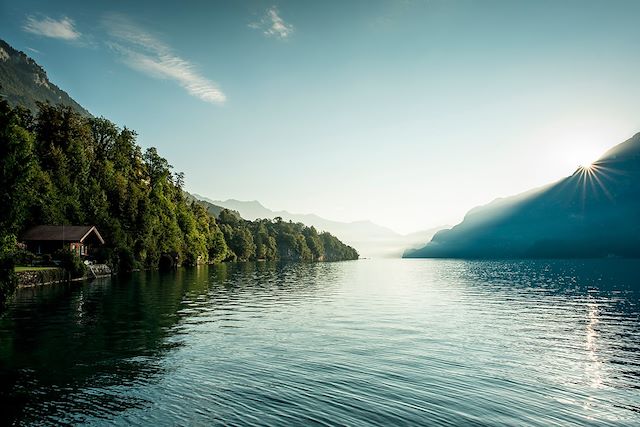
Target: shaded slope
point(23, 82)
point(212, 209)
point(595, 212)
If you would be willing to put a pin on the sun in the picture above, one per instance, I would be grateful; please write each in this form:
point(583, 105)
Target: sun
point(584, 156)
point(580, 145)
point(593, 178)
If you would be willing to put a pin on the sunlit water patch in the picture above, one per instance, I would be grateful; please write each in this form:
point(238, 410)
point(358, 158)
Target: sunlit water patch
point(355, 343)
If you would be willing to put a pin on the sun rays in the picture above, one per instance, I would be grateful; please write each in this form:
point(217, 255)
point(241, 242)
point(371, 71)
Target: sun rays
point(592, 180)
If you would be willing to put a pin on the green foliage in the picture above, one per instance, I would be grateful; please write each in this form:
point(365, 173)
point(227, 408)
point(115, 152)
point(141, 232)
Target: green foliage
point(280, 240)
point(7, 275)
point(16, 169)
point(61, 167)
point(71, 262)
point(217, 245)
point(23, 257)
point(124, 260)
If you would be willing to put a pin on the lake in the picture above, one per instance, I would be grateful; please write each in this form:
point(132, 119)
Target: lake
point(369, 342)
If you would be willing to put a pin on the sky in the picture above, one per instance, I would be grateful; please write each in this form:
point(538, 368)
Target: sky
point(406, 113)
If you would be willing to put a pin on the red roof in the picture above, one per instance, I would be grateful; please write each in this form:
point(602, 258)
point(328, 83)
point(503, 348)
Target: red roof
point(65, 233)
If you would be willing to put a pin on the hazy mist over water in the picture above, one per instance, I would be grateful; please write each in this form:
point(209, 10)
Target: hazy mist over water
point(370, 342)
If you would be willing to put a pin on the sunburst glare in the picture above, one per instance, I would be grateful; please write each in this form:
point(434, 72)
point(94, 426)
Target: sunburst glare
point(593, 178)
point(586, 156)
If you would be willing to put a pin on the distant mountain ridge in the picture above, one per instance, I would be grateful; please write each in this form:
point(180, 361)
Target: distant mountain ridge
point(253, 209)
point(368, 237)
point(212, 209)
point(23, 82)
point(595, 212)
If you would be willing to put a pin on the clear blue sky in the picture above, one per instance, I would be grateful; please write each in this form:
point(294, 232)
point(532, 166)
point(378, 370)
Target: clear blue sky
point(407, 113)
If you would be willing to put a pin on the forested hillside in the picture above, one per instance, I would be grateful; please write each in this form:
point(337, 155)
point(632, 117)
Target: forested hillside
point(60, 167)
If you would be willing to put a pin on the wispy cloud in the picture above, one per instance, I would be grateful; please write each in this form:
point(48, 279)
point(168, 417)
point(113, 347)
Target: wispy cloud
point(63, 28)
point(144, 52)
point(272, 25)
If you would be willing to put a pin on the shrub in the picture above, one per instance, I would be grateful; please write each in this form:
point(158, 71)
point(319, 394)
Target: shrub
point(71, 262)
point(8, 279)
point(24, 257)
point(105, 255)
point(124, 260)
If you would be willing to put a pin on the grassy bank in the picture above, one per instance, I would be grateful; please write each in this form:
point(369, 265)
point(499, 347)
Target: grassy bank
point(19, 269)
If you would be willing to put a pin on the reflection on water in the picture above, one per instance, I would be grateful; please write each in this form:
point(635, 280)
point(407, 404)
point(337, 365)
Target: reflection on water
point(367, 342)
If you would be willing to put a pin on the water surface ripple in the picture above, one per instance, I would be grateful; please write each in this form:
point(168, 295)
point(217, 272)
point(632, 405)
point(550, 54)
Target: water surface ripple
point(370, 342)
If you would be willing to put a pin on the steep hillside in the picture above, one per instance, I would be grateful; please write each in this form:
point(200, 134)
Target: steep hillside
point(595, 212)
point(23, 82)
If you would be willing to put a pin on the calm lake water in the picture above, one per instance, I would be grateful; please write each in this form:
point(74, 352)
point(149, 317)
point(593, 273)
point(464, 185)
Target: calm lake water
point(369, 342)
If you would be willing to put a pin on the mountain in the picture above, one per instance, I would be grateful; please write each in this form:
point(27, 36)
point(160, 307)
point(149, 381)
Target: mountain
point(212, 209)
point(23, 82)
point(595, 212)
point(370, 239)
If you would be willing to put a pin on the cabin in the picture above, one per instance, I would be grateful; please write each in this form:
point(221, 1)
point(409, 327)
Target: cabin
point(47, 239)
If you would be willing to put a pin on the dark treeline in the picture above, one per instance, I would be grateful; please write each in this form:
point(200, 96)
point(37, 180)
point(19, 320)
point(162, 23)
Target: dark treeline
point(60, 167)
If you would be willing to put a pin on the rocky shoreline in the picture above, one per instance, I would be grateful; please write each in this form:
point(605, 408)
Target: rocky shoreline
point(32, 278)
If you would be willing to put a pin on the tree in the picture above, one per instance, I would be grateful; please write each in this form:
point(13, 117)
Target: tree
point(16, 170)
point(242, 244)
point(7, 275)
